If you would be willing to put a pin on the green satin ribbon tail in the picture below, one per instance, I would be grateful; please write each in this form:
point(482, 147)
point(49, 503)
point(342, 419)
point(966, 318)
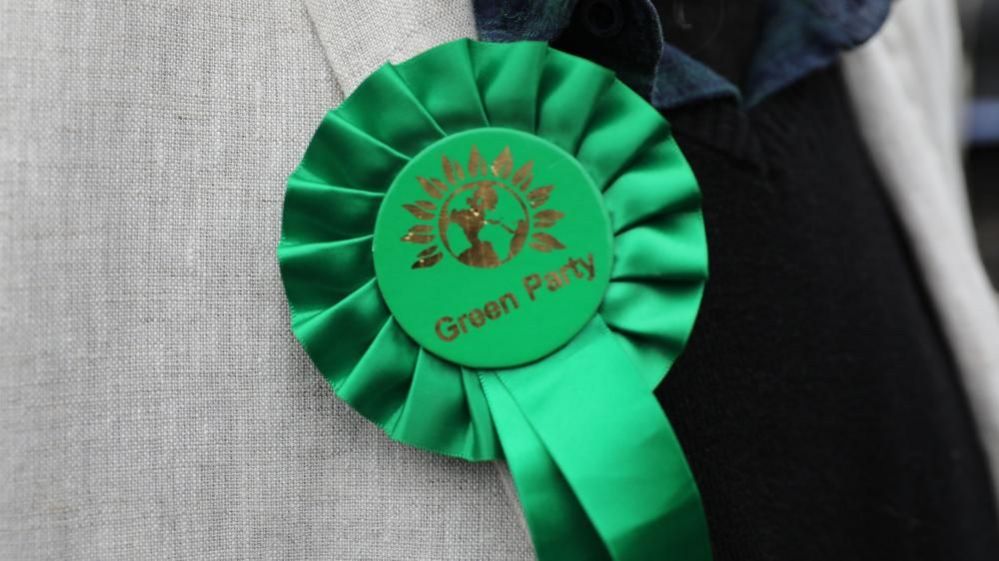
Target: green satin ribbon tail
point(637, 495)
point(598, 469)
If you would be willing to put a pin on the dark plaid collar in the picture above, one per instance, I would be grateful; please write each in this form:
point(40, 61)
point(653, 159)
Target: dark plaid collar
point(797, 37)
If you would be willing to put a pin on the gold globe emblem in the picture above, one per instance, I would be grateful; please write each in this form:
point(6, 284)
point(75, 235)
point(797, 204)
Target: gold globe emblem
point(485, 218)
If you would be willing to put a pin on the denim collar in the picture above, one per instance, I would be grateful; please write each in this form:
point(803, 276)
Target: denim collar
point(797, 37)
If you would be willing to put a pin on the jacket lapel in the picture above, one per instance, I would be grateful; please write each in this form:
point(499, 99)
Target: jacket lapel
point(358, 37)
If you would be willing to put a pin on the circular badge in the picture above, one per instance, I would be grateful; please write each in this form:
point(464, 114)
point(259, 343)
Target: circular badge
point(492, 248)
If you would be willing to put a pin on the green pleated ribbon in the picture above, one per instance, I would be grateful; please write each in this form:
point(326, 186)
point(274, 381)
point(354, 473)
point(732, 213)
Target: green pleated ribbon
point(598, 469)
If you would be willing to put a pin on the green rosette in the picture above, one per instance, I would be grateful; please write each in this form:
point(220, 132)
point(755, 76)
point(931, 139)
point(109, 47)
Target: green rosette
point(497, 251)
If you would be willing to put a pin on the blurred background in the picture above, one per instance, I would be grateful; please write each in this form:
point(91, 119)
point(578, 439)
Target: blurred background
point(980, 20)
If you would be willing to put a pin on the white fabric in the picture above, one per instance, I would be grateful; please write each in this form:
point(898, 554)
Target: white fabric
point(906, 89)
point(153, 403)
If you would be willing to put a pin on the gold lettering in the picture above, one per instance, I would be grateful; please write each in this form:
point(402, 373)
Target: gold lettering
point(589, 266)
point(565, 268)
point(532, 283)
point(447, 322)
point(512, 299)
point(493, 310)
point(553, 281)
point(475, 316)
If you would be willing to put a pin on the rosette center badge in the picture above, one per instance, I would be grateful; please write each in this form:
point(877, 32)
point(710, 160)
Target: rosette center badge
point(492, 248)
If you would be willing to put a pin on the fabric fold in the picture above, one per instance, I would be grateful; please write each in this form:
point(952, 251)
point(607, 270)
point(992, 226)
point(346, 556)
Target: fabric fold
point(333, 349)
point(455, 72)
point(564, 84)
point(379, 161)
point(436, 414)
point(321, 212)
point(509, 82)
point(669, 249)
point(412, 125)
point(382, 377)
point(623, 127)
point(658, 182)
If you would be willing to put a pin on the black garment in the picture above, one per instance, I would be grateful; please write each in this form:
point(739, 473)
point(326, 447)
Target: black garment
point(816, 401)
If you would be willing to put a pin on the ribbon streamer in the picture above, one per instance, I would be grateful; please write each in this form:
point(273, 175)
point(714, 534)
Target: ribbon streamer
point(637, 496)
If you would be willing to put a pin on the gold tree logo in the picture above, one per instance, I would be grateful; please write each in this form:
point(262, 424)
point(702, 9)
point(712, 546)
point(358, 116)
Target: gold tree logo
point(482, 218)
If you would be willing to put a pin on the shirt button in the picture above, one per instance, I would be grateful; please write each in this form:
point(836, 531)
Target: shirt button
point(602, 18)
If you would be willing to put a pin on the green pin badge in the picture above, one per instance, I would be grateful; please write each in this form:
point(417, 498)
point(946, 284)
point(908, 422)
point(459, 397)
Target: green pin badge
point(497, 251)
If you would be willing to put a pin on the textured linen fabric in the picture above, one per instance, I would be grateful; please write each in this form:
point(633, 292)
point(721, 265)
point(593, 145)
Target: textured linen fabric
point(153, 403)
point(358, 37)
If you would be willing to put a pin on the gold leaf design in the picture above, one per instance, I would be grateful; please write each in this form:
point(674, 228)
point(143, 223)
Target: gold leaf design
point(545, 242)
point(452, 170)
point(547, 218)
point(418, 212)
point(424, 262)
point(428, 258)
point(426, 205)
point(539, 196)
point(419, 232)
point(417, 238)
point(476, 164)
point(433, 187)
point(525, 174)
point(503, 163)
point(439, 184)
point(448, 169)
